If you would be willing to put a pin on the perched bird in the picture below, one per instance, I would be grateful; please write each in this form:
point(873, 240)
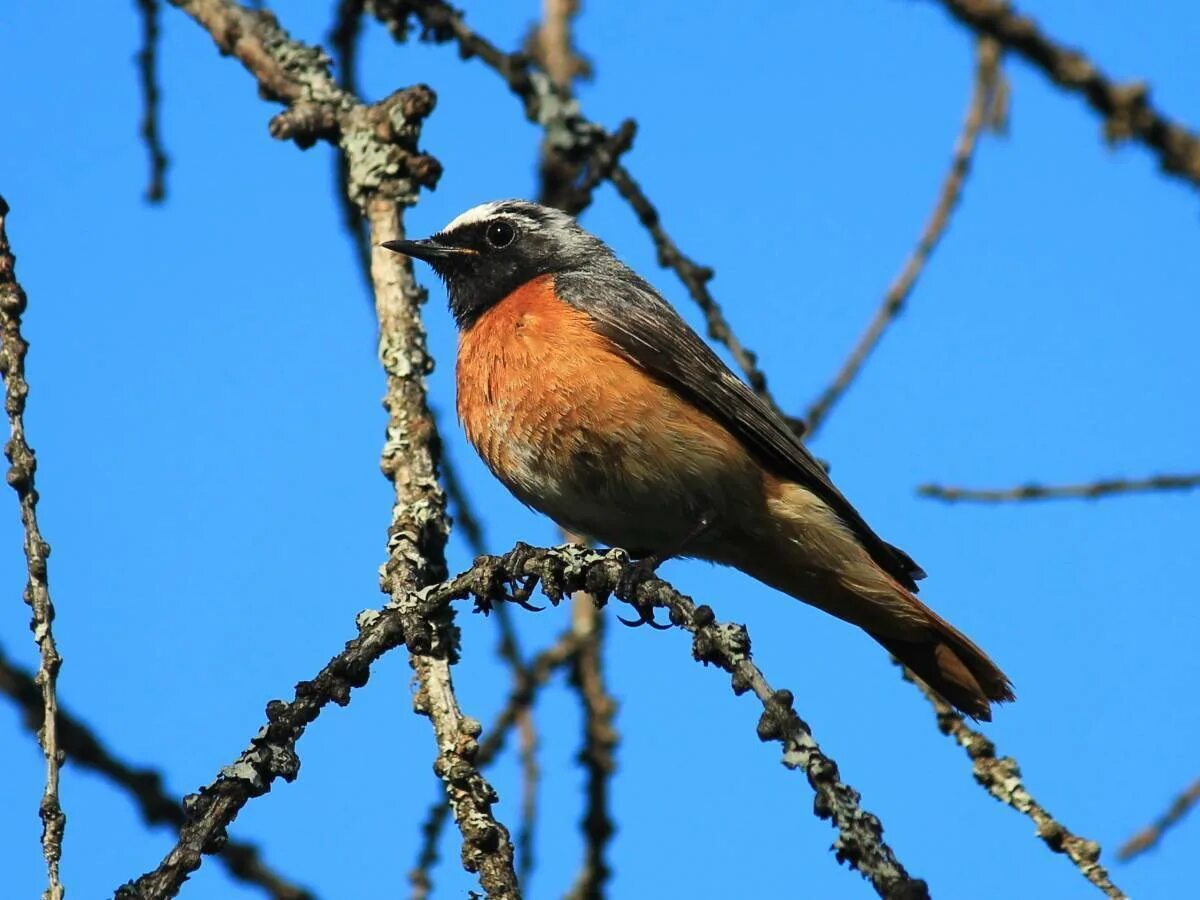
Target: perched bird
point(594, 402)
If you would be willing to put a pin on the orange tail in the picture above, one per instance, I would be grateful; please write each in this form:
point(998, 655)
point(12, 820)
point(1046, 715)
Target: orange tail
point(950, 663)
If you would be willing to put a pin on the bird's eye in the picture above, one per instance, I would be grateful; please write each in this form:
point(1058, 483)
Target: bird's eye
point(500, 233)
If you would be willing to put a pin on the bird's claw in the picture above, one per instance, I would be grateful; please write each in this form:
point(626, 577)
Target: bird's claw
point(645, 617)
point(520, 595)
point(627, 586)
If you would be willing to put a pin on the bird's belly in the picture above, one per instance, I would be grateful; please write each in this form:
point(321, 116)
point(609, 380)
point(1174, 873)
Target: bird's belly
point(634, 482)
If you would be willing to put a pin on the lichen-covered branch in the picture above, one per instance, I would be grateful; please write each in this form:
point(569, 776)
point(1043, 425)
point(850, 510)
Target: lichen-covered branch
point(82, 748)
point(1149, 836)
point(1001, 777)
point(526, 684)
point(551, 46)
point(22, 466)
point(565, 570)
point(384, 171)
point(416, 543)
point(986, 107)
point(1126, 108)
point(1091, 490)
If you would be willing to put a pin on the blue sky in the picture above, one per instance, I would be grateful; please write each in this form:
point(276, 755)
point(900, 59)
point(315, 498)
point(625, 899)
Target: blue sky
point(205, 408)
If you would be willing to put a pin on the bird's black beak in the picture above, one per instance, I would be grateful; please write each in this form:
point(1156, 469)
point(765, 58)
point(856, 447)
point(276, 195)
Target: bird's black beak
point(428, 249)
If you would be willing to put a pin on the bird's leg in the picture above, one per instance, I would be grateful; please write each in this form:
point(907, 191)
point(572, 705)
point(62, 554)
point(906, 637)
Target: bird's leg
point(639, 571)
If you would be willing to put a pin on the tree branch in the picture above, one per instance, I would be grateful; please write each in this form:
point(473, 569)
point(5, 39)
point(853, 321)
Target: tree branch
point(1149, 836)
point(564, 570)
point(986, 107)
point(599, 745)
point(22, 466)
point(1089, 491)
point(379, 142)
point(526, 685)
point(416, 543)
point(144, 786)
point(156, 190)
point(1000, 776)
point(1126, 108)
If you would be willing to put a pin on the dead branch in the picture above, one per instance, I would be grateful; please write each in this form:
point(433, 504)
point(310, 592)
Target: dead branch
point(985, 107)
point(524, 692)
point(1000, 776)
point(22, 466)
point(1126, 109)
point(1090, 491)
point(1149, 836)
point(147, 60)
point(81, 747)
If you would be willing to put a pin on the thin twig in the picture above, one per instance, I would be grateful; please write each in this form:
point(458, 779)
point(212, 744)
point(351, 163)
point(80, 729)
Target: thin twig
point(1000, 776)
point(1089, 491)
point(530, 775)
point(599, 746)
point(147, 60)
point(1126, 108)
point(344, 39)
point(1149, 836)
point(144, 785)
point(569, 183)
point(551, 46)
point(23, 465)
point(466, 520)
point(984, 108)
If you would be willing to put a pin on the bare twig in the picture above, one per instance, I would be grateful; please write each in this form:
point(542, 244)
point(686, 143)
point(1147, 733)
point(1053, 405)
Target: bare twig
point(530, 774)
point(22, 466)
point(343, 39)
point(599, 745)
point(985, 107)
point(561, 185)
point(1126, 108)
point(551, 46)
point(144, 786)
point(463, 514)
point(156, 190)
point(1089, 491)
point(1149, 836)
point(1000, 776)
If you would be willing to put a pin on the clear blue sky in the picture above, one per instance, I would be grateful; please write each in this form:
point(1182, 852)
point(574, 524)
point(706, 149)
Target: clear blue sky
point(205, 408)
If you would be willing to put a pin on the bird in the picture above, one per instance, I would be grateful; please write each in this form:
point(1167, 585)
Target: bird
point(591, 399)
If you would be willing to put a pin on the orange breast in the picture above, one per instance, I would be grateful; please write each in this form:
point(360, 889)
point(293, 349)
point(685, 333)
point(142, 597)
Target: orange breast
point(578, 431)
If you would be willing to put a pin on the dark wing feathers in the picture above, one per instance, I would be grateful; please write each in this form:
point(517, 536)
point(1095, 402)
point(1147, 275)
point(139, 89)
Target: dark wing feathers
point(633, 316)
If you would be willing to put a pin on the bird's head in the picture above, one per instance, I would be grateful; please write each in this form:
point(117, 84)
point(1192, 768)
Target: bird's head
point(492, 249)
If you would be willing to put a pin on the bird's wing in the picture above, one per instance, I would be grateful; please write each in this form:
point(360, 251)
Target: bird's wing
point(630, 313)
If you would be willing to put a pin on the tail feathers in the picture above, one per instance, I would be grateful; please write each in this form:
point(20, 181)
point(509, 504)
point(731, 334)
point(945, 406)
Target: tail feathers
point(953, 667)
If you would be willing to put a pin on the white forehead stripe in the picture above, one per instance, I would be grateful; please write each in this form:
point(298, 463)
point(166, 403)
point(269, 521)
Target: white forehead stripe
point(474, 214)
